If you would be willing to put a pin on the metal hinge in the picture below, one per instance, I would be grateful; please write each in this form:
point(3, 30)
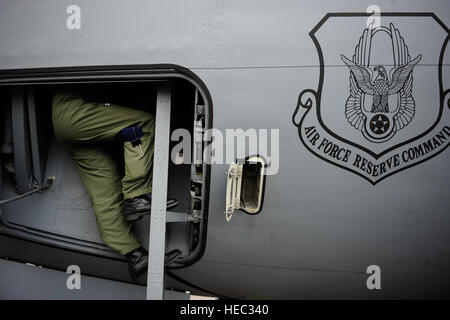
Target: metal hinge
point(233, 192)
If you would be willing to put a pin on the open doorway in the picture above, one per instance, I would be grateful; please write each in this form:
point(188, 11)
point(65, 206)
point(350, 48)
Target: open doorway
point(62, 216)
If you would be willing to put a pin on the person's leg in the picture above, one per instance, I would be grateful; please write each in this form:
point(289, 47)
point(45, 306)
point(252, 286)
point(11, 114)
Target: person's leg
point(138, 157)
point(81, 122)
point(100, 175)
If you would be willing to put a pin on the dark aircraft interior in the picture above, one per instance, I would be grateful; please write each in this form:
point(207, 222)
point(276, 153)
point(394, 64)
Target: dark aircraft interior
point(46, 217)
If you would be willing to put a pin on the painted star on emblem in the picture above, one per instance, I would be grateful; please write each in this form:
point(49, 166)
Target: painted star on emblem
point(379, 124)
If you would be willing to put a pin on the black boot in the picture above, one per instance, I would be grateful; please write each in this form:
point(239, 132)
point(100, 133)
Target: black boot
point(137, 262)
point(135, 208)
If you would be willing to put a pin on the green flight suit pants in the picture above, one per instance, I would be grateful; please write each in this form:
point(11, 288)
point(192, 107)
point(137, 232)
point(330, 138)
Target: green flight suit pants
point(81, 127)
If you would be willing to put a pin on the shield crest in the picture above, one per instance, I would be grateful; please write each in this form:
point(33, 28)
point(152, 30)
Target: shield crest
point(380, 106)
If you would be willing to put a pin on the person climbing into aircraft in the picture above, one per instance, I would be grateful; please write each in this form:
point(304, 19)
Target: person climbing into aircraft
point(84, 129)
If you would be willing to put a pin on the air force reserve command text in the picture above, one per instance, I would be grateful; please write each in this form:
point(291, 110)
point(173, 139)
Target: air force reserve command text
point(331, 150)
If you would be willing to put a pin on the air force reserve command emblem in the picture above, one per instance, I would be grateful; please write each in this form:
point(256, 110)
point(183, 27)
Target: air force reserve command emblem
point(380, 106)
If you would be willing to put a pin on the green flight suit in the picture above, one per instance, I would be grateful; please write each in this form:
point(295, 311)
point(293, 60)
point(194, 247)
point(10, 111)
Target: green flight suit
point(81, 127)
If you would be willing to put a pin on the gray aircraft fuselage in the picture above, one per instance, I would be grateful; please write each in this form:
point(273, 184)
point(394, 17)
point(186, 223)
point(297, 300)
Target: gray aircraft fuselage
point(351, 191)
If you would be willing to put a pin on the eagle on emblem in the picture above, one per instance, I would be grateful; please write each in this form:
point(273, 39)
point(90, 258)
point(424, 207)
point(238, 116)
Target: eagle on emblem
point(382, 86)
point(384, 120)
